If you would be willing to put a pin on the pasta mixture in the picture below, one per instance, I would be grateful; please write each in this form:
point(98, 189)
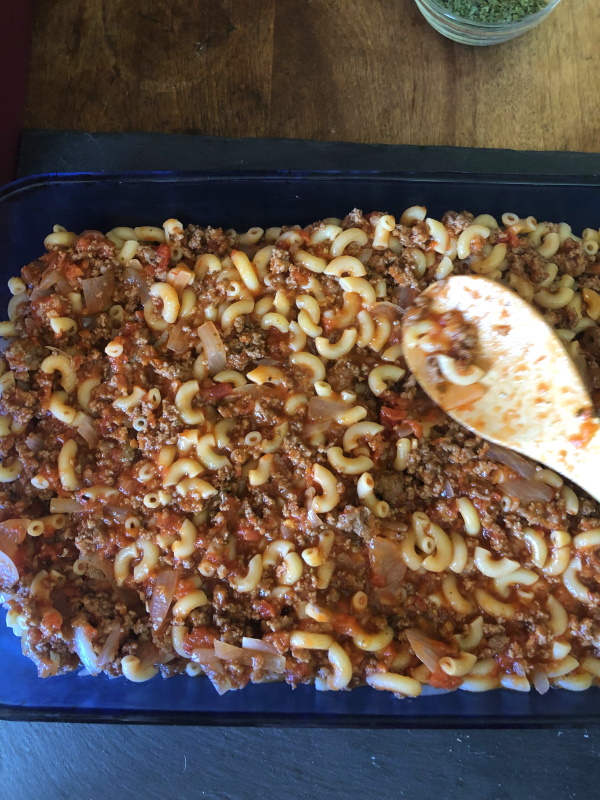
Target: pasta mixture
point(215, 461)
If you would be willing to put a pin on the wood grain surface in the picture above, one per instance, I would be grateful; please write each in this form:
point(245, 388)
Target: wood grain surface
point(354, 70)
point(14, 55)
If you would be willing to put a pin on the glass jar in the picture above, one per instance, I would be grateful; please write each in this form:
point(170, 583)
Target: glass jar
point(466, 31)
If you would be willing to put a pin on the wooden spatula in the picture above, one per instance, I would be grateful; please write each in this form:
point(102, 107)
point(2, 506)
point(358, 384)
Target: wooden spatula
point(535, 401)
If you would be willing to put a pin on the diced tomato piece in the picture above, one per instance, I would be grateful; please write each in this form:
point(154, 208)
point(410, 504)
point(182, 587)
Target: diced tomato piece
point(247, 531)
point(387, 654)
point(390, 417)
point(49, 551)
point(346, 624)
point(184, 586)
point(296, 671)
point(51, 622)
point(72, 271)
point(265, 610)
point(164, 252)
point(198, 638)
point(277, 343)
point(328, 325)
point(216, 392)
point(18, 559)
point(439, 680)
point(509, 237)
point(85, 239)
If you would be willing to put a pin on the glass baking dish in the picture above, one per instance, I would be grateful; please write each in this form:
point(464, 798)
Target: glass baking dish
point(28, 210)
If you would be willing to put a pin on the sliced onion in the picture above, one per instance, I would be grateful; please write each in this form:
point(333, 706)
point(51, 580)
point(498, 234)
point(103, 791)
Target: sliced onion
point(49, 279)
point(120, 514)
point(9, 574)
point(205, 656)
point(35, 442)
point(162, 596)
point(269, 661)
point(12, 533)
point(179, 338)
point(179, 278)
point(313, 518)
point(248, 389)
point(87, 429)
point(162, 339)
point(98, 292)
point(365, 255)
point(448, 490)
point(8, 548)
point(321, 409)
point(404, 429)
point(148, 655)
point(311, 515)
point(220, 681)
point(62, 284)
point(101, 564)
point(427, 650)
point(540, 680)
point(315, 427)
point(229, 652)
point(89, 235)
point(527, 491)
point(110, 647)
point(65, 505)
point(83, 647)
point(386, 309)
point(57, 351)
point(258, 644)
point(511, 459)
point(136, 277)
point(37, 293)
point(214, 349)
point(151, 656)
point(405, 296)
point(387, 565)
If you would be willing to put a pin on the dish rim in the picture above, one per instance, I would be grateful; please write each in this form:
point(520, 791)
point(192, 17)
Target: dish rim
point(13, 190)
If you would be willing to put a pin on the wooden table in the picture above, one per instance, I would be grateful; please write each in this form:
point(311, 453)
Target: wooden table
point(355, 70)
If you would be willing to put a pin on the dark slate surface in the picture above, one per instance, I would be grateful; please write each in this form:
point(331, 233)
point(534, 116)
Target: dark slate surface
point(92, 762)
point(71, 151)
point(102, 762)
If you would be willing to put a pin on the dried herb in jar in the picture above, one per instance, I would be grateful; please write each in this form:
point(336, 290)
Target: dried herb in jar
point(493, 11)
